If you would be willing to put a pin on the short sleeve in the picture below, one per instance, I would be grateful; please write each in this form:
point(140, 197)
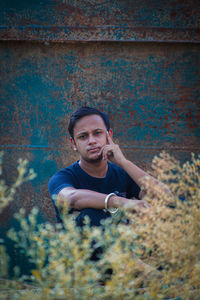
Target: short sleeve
point(59, 181)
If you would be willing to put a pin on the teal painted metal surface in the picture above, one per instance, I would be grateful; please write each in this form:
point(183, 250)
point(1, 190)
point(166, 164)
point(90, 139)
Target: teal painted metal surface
point(150, 93)
point(150, 90)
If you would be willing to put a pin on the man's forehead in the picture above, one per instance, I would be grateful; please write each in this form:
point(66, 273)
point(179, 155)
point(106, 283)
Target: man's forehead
point(90, 122)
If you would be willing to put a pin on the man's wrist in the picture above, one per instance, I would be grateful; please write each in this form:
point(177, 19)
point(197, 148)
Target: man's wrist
point(106, 201)
point(123, 163)
point(113, 201)
point(117, 201)
point(126, 164)
point(111, 210)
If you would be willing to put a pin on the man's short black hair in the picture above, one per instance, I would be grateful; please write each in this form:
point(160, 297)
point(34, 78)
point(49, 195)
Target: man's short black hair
point(86, 111)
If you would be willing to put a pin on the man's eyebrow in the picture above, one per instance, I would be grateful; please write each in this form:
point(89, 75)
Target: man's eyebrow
point(85, 132)
point(92, 130)
point(82, 132)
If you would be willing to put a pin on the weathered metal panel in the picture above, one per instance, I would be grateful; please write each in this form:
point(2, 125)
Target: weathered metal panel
point(151, 93)
point(99, 33)
point(78, 20)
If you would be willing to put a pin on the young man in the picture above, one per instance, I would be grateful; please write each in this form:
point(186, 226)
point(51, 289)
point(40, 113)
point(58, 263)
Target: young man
point(103, 179)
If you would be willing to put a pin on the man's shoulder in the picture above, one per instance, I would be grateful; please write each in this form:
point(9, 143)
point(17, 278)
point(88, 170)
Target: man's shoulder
point(62, 178)
point(67, 170)
point(72, 167)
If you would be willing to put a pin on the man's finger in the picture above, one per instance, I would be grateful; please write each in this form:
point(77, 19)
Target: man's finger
point(106, 151)
point(110, 141)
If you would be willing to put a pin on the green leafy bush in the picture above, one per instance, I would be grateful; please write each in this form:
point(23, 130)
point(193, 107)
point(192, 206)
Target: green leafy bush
point(155, 256)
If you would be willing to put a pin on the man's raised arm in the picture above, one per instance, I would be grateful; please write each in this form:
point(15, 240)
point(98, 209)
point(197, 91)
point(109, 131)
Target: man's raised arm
point(113, 152)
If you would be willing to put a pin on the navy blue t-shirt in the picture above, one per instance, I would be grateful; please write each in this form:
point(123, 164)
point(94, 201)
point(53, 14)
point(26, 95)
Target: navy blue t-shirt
point(116, 179)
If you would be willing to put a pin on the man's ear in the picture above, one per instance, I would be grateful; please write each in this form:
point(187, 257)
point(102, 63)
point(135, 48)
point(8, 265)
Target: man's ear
point(73, 144)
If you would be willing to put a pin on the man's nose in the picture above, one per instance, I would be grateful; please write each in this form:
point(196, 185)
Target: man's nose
point(91, 139)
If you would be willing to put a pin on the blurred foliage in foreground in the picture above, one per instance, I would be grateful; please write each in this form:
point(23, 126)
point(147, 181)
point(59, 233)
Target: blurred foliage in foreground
point(155, 256)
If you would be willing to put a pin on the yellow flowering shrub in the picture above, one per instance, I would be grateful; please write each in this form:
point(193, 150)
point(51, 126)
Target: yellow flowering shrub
point(155, 255)
point(168, 235)
point(7, 192)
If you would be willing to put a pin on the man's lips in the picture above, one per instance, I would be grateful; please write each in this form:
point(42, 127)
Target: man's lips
point(93, 150)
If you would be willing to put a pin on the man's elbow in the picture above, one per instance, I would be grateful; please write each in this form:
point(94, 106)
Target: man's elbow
point(67, 197)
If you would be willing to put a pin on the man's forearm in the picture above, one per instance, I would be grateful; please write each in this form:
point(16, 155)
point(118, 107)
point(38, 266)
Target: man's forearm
point(80, 199)
point(137, 174)
point(113, 152)
point(134, 172)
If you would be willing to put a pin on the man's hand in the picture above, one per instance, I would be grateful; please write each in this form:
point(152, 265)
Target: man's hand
point(137, 205)
point(113, 152)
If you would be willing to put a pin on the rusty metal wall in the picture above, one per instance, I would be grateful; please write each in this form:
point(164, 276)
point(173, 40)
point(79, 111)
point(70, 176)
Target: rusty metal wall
point(136, 60)
point(100, 20)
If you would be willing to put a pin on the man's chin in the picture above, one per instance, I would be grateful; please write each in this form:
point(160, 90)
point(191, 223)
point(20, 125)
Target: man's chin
point(95, 159)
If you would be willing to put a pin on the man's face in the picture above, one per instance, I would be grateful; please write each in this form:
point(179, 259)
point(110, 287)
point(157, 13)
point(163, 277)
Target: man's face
point(90, 136)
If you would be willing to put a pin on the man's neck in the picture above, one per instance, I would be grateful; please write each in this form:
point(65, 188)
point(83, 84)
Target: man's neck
point(95, 169)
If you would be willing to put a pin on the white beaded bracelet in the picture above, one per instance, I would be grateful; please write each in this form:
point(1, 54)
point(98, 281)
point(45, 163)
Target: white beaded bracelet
point(111, 210)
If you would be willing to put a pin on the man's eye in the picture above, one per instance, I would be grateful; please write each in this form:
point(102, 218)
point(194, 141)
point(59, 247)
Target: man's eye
point(98, 132)
point(81, 136)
